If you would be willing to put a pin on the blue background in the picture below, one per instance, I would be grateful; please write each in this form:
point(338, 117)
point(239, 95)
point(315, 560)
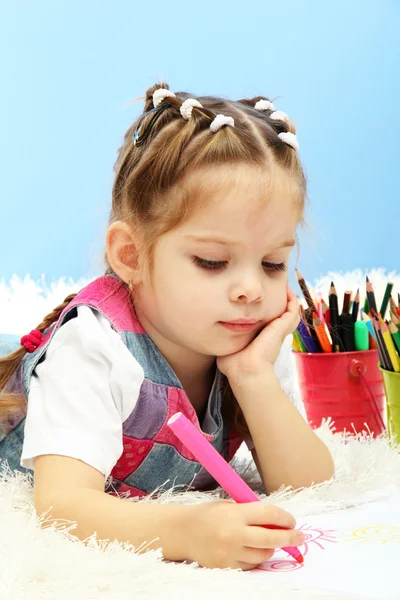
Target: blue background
point(70, 70)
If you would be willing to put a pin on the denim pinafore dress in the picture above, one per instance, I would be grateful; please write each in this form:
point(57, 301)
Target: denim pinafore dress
point(152, 455)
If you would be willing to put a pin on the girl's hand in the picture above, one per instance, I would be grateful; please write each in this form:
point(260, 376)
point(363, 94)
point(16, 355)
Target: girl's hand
point(259, 356)
point(224, 534)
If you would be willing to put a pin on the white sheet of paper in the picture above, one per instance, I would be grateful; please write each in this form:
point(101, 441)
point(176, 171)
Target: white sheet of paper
point(355, 551)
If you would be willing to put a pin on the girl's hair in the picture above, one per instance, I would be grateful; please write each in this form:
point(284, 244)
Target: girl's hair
point(152, 190)
point(11, 402)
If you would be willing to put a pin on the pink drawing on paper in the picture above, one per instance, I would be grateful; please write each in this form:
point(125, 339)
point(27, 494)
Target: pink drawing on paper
point(314, 537)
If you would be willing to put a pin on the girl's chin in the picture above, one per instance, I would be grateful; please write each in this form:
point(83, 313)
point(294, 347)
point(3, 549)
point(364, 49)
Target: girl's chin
point(233, 346)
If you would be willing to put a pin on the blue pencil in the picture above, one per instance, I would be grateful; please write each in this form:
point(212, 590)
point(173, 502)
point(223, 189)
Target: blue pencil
point(368, 322)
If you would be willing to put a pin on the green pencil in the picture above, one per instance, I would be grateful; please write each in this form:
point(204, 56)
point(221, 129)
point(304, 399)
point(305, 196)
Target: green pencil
point(299, 339)
point(385, 300)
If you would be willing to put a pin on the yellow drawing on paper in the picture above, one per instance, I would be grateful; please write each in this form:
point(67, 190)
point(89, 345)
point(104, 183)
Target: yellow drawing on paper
point(382, 534)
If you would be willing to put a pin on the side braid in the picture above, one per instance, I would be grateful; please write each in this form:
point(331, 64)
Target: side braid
point(11, 402)
point(54, 315)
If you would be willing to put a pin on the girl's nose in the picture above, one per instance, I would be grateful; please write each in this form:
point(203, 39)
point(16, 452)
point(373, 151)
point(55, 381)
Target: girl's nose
point(247, 291)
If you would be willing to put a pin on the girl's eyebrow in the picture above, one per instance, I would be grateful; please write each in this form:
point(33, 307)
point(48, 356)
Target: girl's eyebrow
point(225, 242)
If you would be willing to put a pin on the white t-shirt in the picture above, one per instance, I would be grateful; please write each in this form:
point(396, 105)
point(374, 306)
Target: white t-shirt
point(85, 389)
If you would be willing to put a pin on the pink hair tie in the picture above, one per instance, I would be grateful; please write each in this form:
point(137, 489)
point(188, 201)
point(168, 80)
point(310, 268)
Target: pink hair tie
point(32, 340)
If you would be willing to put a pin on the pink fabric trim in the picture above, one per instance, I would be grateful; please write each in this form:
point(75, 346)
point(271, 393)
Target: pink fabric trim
point(179, 402)
point(116, 305)
point(112, 298)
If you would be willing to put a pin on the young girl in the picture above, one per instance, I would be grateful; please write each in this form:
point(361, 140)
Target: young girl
point(193, 314)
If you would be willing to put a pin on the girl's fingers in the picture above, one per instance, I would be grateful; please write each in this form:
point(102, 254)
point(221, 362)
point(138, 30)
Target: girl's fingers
point(290, 293)
point(261, 537)
point(293, 306)
point(261, 513)
point(246, 566)
point(291, 318)
point(293, 309)
point(255, 556)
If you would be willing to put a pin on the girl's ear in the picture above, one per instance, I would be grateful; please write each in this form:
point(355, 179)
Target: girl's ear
point(122, 251)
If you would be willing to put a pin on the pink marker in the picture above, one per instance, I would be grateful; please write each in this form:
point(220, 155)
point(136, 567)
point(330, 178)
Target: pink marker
point(222, 472)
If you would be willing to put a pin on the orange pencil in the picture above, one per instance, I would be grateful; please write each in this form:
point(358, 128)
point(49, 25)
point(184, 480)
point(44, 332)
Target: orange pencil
point(372, 342)
point(321, 333)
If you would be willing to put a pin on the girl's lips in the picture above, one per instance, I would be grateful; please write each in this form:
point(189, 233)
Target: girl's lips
point(239, 326)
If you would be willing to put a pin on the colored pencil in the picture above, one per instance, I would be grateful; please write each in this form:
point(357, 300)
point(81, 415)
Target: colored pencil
point(323, 329)
point(326, 312)
point(356, 305)
point(346, 301)
point(302, 312)
point(394, 357)
point(305, 335)
point(393, 307)
point(384, 354)
point(305, 291)
point(386, 297)
point(300, 343)
point(321, 333)
point(395, 319)
point(371, 296)
point(368, 321)
point(309, 321)
point(319, 306)
point(346, 332)
point(381, 351)
point(395, 333)
point(295, 343)
point(371, 330)
point(334, 315)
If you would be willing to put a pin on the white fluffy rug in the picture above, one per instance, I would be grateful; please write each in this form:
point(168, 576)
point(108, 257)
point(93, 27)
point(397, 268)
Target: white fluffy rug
point(48, 564)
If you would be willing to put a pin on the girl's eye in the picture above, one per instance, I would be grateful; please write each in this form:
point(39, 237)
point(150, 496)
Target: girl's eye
point(274, 266)
point(209, 264)
point(220, 264)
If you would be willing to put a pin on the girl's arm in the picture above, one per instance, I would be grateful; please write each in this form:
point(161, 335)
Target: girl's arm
point(219, 534)
point(287, 451)
point(69, 489)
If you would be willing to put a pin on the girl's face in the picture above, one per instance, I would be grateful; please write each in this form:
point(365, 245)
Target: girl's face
point(227, 261)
